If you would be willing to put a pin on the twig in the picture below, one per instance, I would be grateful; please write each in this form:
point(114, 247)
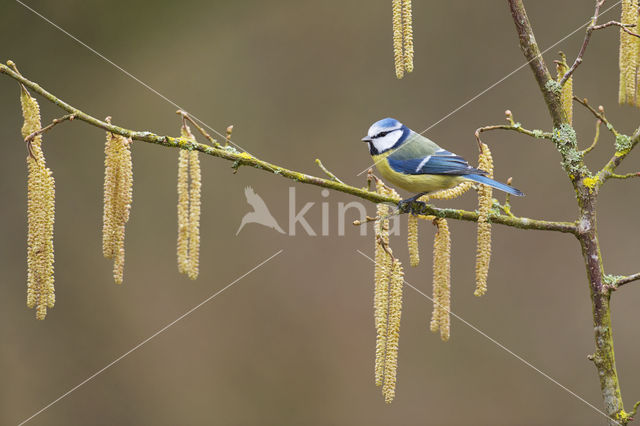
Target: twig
point(55, 121)
point(245, 159)
point(623, 27)
point(598, 114)
point(29, 139)
point(506, 207)
point(227, 138)
point(385, 246)
point(608, 171)
point(367, 219)
point(185, 116)
point(626, 176)
point(327, 172)
point(587, 37)
point(626, 280)
point(538, 134)
point(595, 138)
point(634, 411)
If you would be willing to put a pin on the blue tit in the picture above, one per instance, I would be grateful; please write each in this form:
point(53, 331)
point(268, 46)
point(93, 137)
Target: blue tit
point(416, 164)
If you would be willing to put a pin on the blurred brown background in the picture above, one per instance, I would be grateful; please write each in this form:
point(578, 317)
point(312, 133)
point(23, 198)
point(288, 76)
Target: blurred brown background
point(293, 343)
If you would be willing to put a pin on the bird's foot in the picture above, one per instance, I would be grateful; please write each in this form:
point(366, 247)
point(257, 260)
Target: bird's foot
point(412, 205)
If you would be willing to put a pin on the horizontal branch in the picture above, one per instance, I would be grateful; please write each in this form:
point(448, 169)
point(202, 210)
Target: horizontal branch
point(45, 129)
point(625, 176)
point(245, 159)
point(516, 127)
point(625, 280)
point(623, 27)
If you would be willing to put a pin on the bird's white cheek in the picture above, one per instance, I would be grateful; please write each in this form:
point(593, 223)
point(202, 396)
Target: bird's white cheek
point(387, 142)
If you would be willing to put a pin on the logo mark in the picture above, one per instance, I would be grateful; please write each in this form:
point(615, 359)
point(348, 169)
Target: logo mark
point(297, 215)
point(260, 214)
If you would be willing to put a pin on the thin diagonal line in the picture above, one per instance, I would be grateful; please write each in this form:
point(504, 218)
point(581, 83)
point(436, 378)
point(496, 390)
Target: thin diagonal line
point(128, 73)
point(189, 312)
point(497, 82)
point(503, 347)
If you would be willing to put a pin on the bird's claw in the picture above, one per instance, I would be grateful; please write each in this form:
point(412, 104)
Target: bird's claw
point(412, 206)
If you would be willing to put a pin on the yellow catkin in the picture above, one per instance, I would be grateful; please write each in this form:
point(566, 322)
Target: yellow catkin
point(118, 196)
point(398, 54)
point(396, 283)
point(407, 33)
point(183, 211)
point(194, 214)
point(122, 206)
point(436, 292)
point(455, 192)
point(629, 52)
point(440, 319)
point(110, 185)
point(381, 289)
point(189, 196)
point(412, 240)
point(566, 94)
point(389, 280)
point(485, 200)
point(40, 215)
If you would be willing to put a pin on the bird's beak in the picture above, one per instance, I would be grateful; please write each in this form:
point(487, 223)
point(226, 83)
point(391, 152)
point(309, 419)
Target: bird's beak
point(366, 139)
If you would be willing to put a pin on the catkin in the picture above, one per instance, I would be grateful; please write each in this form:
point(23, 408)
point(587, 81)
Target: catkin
point(402, 37)
point(440, 318)
point(485, 200)
point(389, 280)
point(455, 192)
point(118, 196)
point(628, 58)
point(110, 186)
point(381, 282)
point(123, 206)
point(398, 54)
point(412, 240)
point(393, 331)
point(189, 196)
point(566, 93)
point(407, 34)
point(40, 214)
point(183, 211)
point(194, 214)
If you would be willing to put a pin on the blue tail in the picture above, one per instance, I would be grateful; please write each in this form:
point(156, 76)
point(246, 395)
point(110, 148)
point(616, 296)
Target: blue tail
point(494, 184)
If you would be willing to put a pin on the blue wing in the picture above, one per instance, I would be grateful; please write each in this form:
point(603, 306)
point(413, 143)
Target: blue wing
point(440, 163)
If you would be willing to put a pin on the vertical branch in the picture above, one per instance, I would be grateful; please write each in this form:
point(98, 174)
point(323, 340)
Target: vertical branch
point(603, 358)
point(566, 143)
point(548, 86)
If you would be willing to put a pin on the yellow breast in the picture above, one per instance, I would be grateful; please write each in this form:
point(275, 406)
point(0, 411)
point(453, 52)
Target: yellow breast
point(413, 183)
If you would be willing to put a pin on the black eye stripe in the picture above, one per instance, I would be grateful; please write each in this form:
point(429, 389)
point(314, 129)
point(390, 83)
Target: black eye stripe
point(383, 134)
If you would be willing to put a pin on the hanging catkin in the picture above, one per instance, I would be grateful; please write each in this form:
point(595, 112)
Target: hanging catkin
point(118, 196)
point(189, 194)
point(629, 55)
point(40, 214)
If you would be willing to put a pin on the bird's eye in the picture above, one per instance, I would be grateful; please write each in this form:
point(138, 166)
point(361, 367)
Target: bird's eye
point(383, 134)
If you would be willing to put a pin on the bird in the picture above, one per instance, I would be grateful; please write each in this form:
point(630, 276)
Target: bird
point(260, 213)
point(416, 164)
